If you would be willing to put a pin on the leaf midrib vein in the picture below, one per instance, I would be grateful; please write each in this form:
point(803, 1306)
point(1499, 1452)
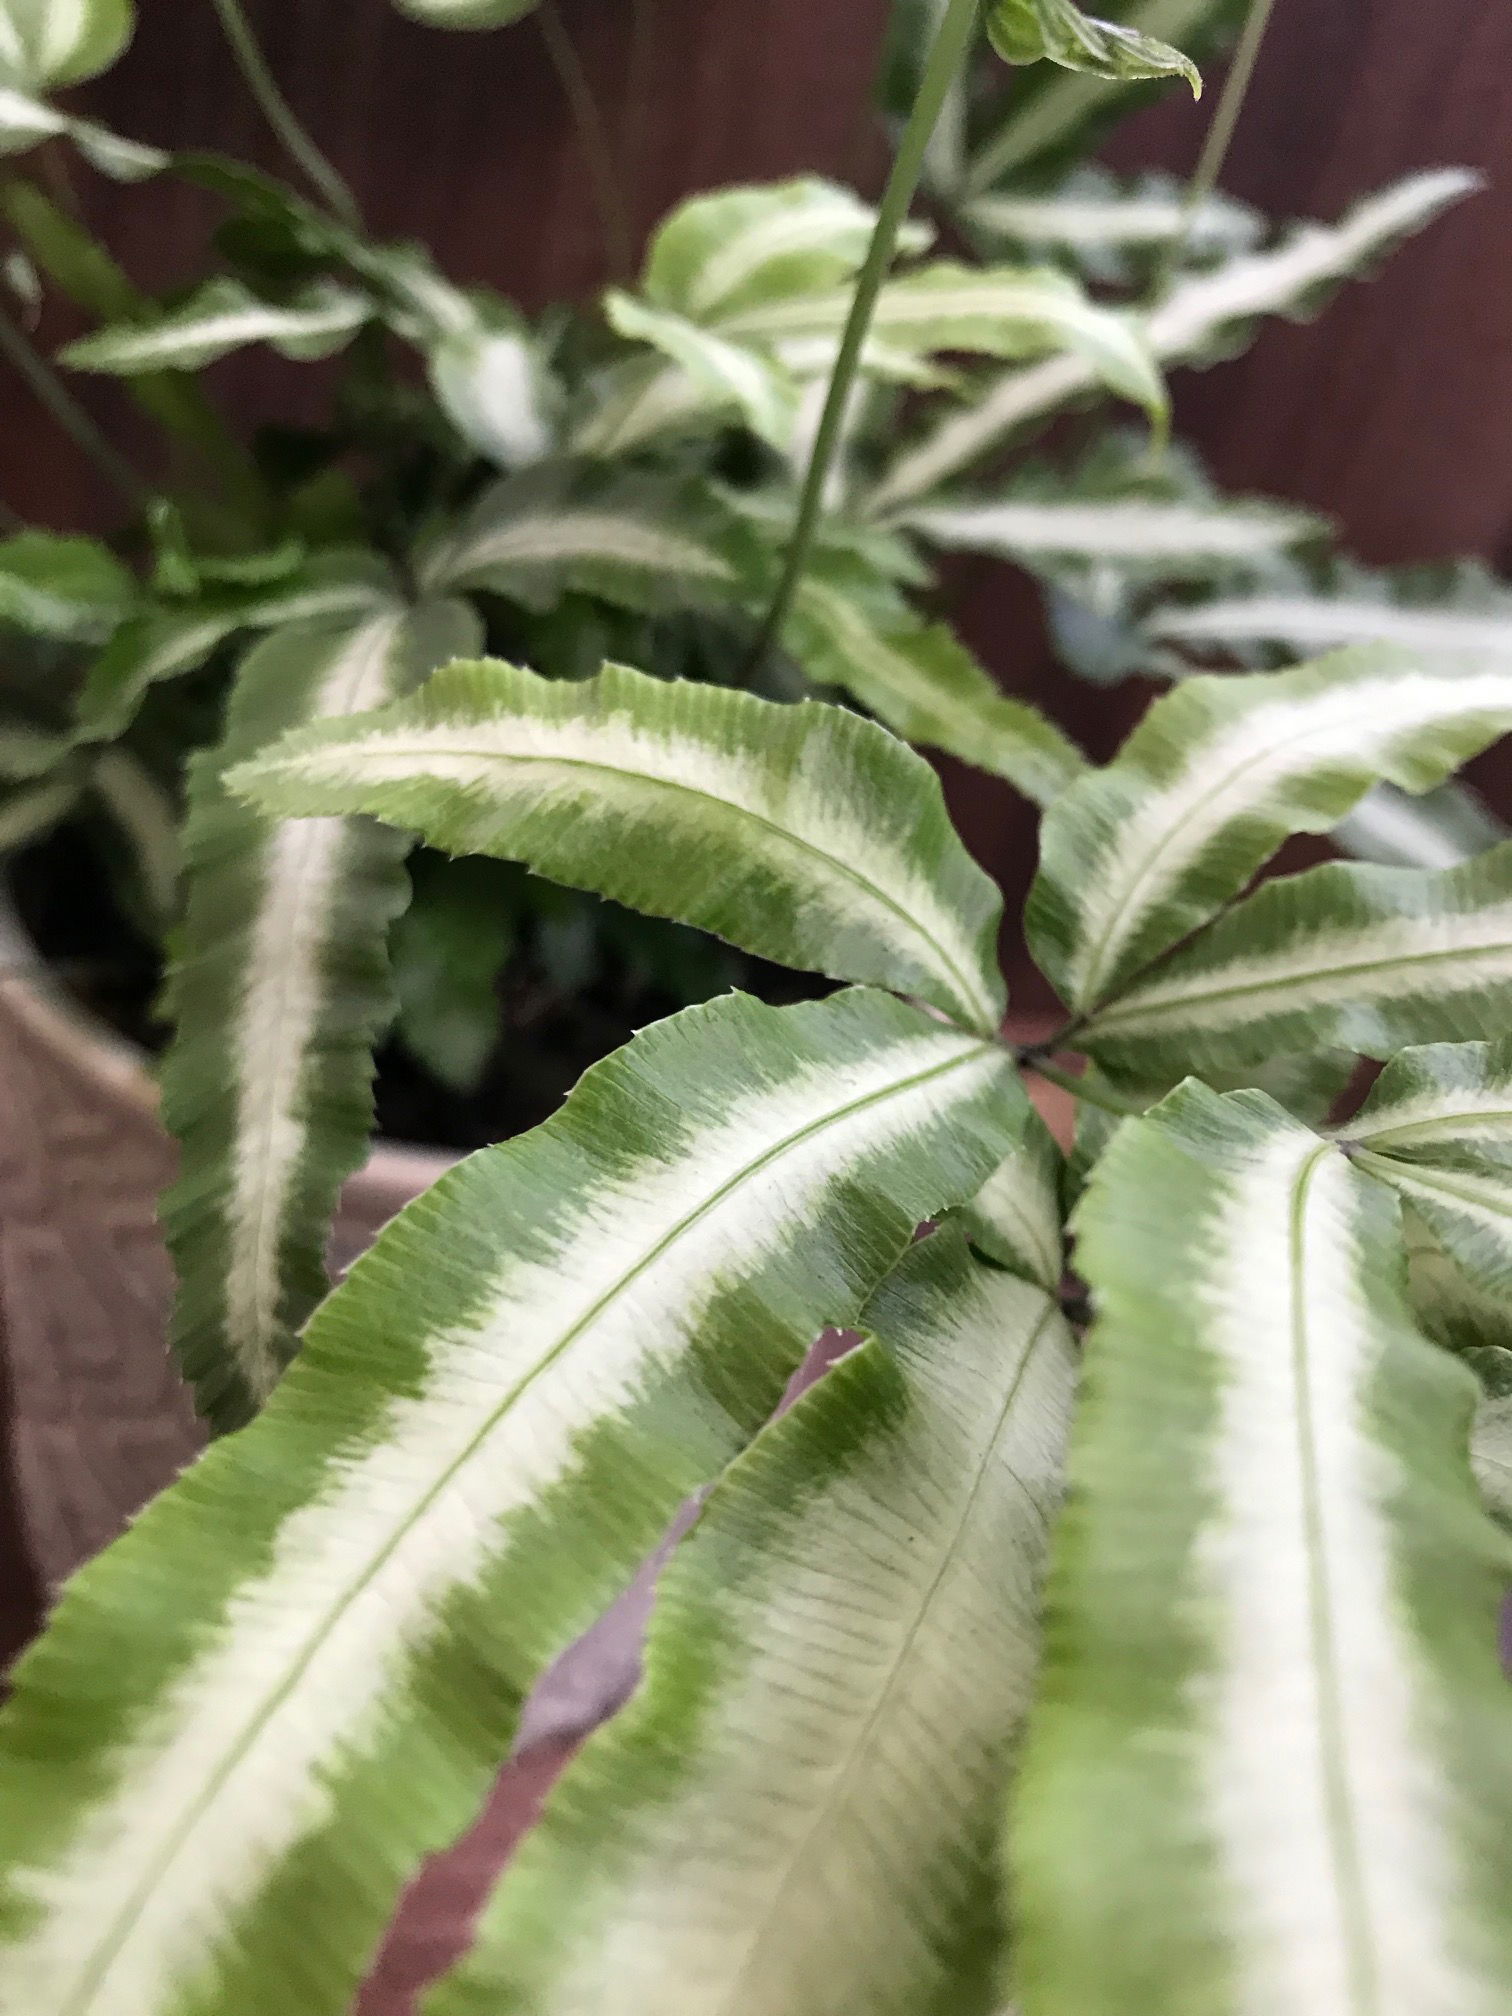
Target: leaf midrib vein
point(1095, 981)
point(1131, 1008)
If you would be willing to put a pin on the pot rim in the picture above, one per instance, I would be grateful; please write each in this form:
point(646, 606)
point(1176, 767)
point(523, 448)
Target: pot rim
point(33, 993)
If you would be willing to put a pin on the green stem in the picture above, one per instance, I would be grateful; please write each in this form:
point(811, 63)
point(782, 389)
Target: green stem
point(1095, 1095)
point(52, 393)
point(593, 138)
point(281, 116)
point(946, 56)
point(1221, 133)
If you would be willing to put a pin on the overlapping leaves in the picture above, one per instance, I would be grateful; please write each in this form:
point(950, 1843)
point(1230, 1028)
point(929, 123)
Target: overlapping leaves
point(861, 1587)
point(802, 833)
point(1274, 1564)
point(297, 1673)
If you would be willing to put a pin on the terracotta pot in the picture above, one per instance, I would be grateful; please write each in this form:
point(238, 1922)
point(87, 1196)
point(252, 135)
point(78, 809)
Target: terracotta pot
point(98, 1419)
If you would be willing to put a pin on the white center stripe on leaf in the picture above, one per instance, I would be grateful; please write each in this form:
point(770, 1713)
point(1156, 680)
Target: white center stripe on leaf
point(286, 995)
point(1373, 963)
point(1236, 769)
point(1135, 530)
point(1196, 311)
point(836, 846)
point(1314, 624)
point(581, 534)
point(223, 1776)
point(1331, 1838)
point(774, 237)
point(1455, 1096)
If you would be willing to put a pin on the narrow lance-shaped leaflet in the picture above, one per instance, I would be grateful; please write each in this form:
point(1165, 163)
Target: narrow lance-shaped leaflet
point(1271, 1766)
point(1053, 115)
point(296, 1674)
point(642, 541)
point(1437, 1127)
point(1203, 315)
point(278, 990)
point(923, 682)
point(1216, 775)
point(1352, 958)
point(798, 1810)
point(802, 833)
point(1057, 31)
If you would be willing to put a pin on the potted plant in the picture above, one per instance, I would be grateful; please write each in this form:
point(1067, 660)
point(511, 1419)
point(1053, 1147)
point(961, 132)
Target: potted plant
point(651, 454)
point(1246, 1736)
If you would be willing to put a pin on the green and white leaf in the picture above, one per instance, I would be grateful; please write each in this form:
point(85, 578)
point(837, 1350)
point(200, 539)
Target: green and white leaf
point(992, 311)
point(1460, 611)
point(25, 122)
point(1438, 1128)
point(729, 374)
point(1015, 1218)
point(1111, 229)
point(146, 816)
point(642, 541)
point(1437, 830)
point(467, 13)
point(72, 589)
point(744, 247)
point(47, 43)
point(1134, 535)
point(279, 988)
point(166, 641)
point(1454, 1310)
point(34, 806)
point(1111, 527)
point(635, 400)
point(1057, 31)
point(1054, 116)
point(484, 368)
point(28, 752)
point(798, 1811)
point(222, 316)
point(296, 1674)
point(801, 833)
point(1354, 958)
point(488, 383)
point(1218, 773)
point(1439, 1102)
point(920, 679)
point(1273, 1734)
point(1204, 316)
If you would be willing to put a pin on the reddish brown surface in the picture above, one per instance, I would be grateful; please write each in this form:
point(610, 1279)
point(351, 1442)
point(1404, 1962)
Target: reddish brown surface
point(436, 1917)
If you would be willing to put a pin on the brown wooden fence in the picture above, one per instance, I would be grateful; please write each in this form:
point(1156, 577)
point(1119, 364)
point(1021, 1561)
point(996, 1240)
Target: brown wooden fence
point(1393, 413)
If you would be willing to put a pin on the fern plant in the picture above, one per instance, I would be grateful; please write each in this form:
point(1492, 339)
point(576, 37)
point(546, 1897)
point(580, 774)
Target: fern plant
point(1218, 1728)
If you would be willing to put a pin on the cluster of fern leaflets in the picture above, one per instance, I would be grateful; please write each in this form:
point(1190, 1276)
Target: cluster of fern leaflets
point(1115, 1628)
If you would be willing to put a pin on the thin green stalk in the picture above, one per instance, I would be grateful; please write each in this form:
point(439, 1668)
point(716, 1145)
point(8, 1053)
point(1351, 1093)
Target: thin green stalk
point(1095, 1095)
point(281, 116)
point(52, 393)
point(946, 56)
point(1220, 133)
point(593, 138)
